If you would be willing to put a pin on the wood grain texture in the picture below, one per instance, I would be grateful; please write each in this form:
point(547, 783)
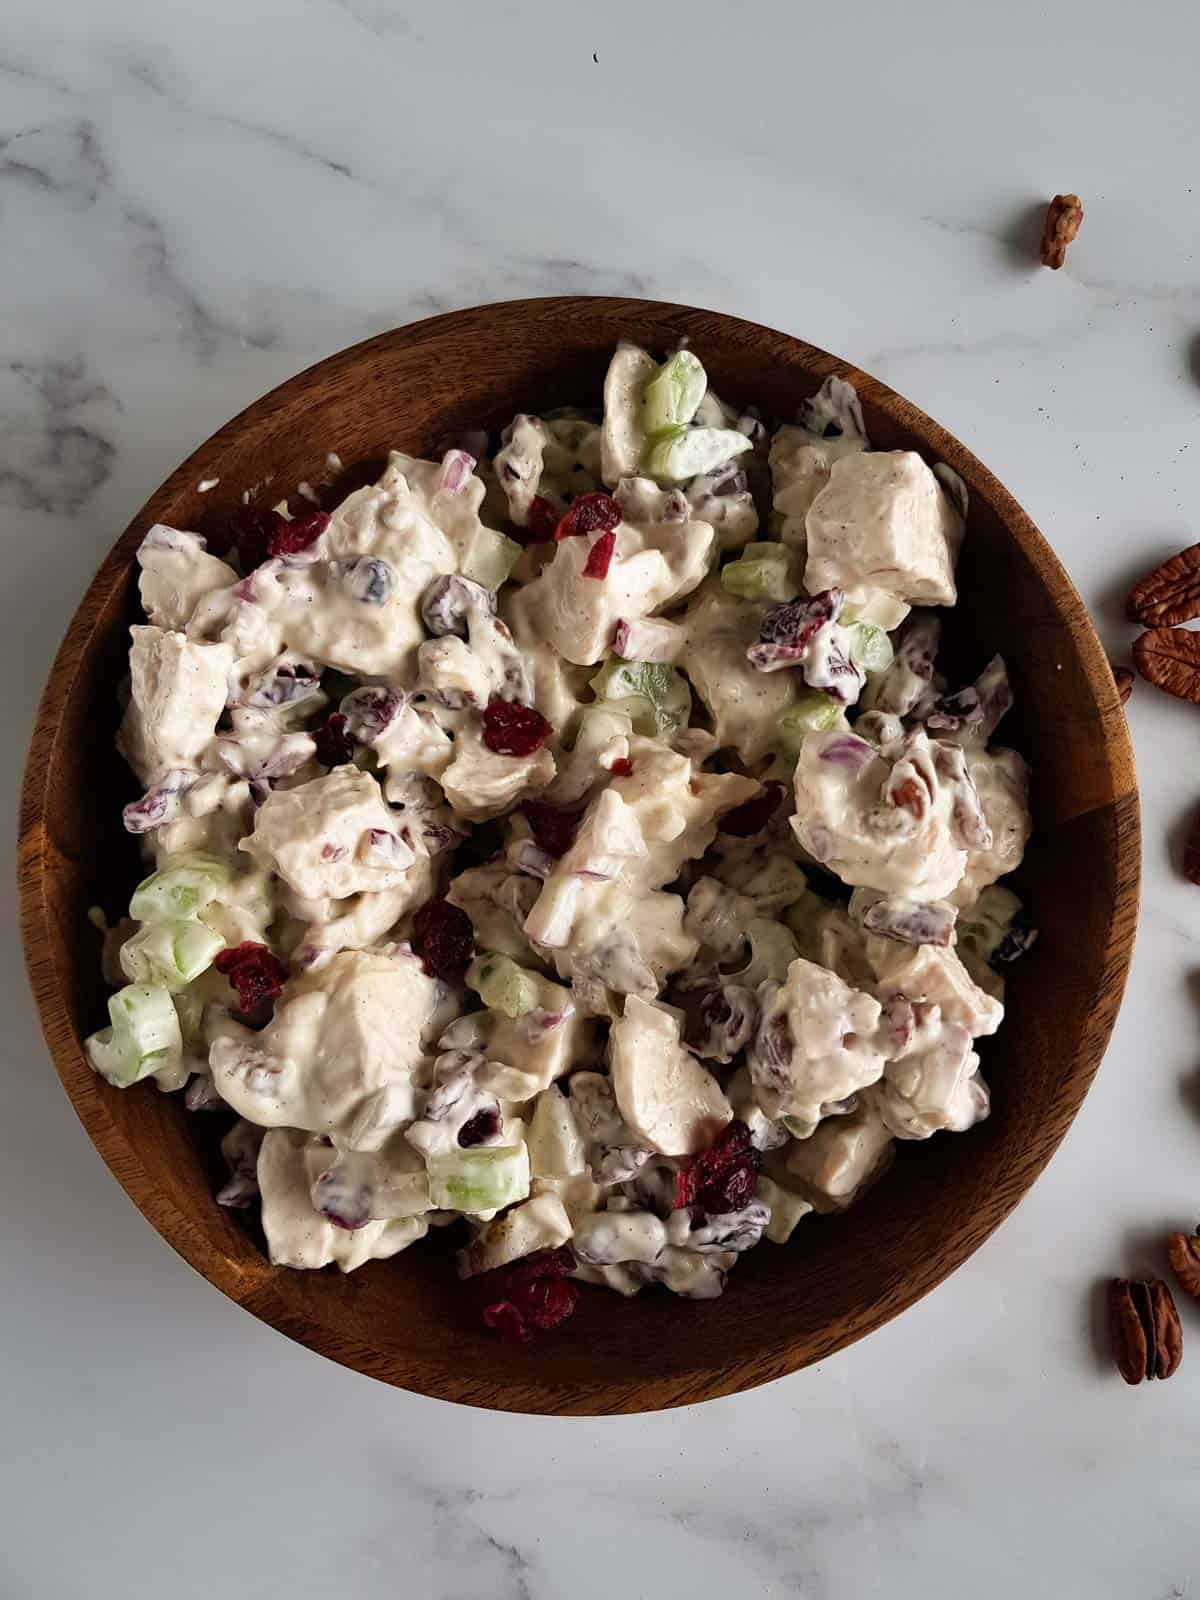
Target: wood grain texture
point(409, 1321)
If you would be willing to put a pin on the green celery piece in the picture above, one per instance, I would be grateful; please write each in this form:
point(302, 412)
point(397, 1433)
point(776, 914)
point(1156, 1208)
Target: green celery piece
point(983, 927)
point(181, 887)
point(189, 1006)
point(502, 985)
point(772, 951)
point(672, 396)
point(675, 454)
point(870, 647)
point(599, 724)
point(797, 1127)
point(143, 1035)
point(482, 1179)
point(172, 952)
point(813, 712)
point(491, 559)
point(763, 571)
point(653, 694)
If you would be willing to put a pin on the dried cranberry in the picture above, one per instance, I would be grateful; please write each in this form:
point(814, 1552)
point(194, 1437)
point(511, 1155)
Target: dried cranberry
point(788, 630)
point(256, 973)
point(600, 555)
point(507, 1321)
point(541, 521)
point(722, 1177)
point(334, 745)
point(513, 730)
point(540, 1295)
point(753, 815)
point(552, 829)
point(545, 1301)
point(443, 938)
point(484, 1125)
point(543, 1264)
point(720, 1020)
point(622, 767)
point(290, 538)
point(591, 513)
point(732, 1191)
point(252, 531)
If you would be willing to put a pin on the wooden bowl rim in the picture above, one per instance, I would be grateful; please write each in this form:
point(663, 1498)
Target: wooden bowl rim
point(259, 1292)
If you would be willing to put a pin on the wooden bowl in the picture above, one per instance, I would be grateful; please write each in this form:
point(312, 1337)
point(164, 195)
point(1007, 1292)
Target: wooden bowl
point(409, 1321)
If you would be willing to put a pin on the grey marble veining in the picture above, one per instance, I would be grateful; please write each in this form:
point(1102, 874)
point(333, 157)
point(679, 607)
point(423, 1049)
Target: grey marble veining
point(196, 202)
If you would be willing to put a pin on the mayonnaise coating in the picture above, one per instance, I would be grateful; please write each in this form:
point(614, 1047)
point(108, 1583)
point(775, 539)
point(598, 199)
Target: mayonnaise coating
point(343, 1054)
point(817, 1045)
point(498, 844)
point(883, 521)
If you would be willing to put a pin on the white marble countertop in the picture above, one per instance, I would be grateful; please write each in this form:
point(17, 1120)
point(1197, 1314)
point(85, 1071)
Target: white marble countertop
point(195, 202)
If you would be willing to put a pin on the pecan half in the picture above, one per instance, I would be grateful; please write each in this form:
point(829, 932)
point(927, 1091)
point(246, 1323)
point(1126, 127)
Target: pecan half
point(1123, 678)
point(1170, 594)
point(1063, 217)
point(1184, 1251)
point(1147, 1338)
point(1191, 852)
point(1169, 658)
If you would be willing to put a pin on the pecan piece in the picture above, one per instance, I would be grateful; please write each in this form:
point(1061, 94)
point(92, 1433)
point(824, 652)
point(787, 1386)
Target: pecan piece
point(1191, 852)
point(1169, 658)
point(1123, 678)
point(1170, 594)
point(1063, 217)
point(1147, 1338)
point(1184, 1251)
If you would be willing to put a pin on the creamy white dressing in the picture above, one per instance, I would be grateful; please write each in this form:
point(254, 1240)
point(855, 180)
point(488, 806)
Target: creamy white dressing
point(409, 710)
point(744, 704)
point(883, 521)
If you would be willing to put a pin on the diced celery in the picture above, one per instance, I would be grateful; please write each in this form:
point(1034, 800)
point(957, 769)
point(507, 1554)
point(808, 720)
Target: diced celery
point(147, 1013)
point(245, 908)
point(482, 1179)
point(813, 712)
point(502, 985)
point(673, 394)
point(870, 647)
point(189, 1005)
point(115, 1057)
point(798, 1127)
point(762, 572)
point(599, 724)
point(654, 694)
point(676, 454)
point(649, 718)
point(171, 952)
point(143, 1035)
point(983, 927)
point(491, 558)
point(772, 951)
point(787, 1209)
point(181, 887)
point(876, 606)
